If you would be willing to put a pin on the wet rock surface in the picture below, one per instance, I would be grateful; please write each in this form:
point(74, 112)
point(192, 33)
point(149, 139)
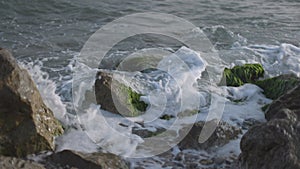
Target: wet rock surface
point(116, 97)
point(275, 144)
point(239, 75)
point(15, 163)
point(221, 136)
point(27, 125)
point(277, 86)
point(68, 159)
point(189, 159)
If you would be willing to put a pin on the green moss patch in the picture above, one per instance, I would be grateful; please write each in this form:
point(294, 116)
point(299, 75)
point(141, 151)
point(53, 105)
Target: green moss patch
point(166, 117)
point(131, 100)
point(134, 100)
point(277, 86)
point(239, 75)
point(265, 107)
point(250, 73)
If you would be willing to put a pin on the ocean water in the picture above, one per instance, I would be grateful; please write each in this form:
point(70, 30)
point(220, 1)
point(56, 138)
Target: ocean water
point(47, 36)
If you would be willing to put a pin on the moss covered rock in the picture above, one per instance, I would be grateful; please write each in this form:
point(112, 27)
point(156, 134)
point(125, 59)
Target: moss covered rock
point(250, 73)
point(27, 126)
point(134, 100)
point(277, 86)
point(239, 75)
point(118, 98)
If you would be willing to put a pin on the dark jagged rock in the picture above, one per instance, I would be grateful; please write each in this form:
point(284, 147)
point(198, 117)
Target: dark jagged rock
point(221, 136)
point(27, 126)
point(116, 97)
point(271, 145)
point(15, 163)
point(67, 159)
point(275, 144)
point(277, 86)
point(239, 75)
point(289, 101)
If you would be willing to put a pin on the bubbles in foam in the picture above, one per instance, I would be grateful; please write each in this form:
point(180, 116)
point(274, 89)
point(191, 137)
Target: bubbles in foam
point(277, 60)
point(47, 89)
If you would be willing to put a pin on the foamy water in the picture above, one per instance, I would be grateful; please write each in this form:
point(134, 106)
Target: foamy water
point(101, 130)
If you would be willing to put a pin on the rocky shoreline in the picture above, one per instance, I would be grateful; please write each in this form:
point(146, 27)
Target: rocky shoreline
point(29, 127)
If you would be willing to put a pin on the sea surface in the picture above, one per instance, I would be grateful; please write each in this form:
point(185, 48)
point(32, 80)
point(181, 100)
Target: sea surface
point(47, 36)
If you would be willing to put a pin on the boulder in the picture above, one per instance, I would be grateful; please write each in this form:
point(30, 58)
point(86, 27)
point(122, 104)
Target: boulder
point(275, 144)
point(72, 159)
point(271, 145)
point(27, 126)
point(116, 97)
point(221, 136)
point(277, 86)
point(288, 102)
point(250, 73)
point(239, 75)
point(15, 163)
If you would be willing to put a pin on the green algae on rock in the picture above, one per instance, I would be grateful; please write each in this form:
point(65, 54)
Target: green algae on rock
point(265, 107)
point(277, 86)
point(166, 117)
point(136, 106)
point(27, 125)
point(250, 73)
point(118, 98)
point(239, 75)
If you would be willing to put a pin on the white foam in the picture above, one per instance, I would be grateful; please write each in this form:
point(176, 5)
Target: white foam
point(76, 140)
point(184, 67)
point(47, 89)
point(104, 129)
point(277, 60)
point(246, 103)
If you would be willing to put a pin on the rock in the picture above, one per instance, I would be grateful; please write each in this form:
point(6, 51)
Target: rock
point(206, 161)
point(144, 133)
point(289, 101)
point(271, 145)
point(116, 97)
point(275, 144)
point(250, 73)
point(27, 126)
point(15, 163)
point(221, 136)
point(67, 158)
point(247, 123)
point(277, 86)
point(239, 75)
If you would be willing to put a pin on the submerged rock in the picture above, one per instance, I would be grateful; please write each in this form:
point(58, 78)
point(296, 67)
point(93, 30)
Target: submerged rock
point(15, 163)
point(275, 144)
point(277, 86)
point(72, 159)
point(116, 97)
point(221, 136)
point(239, 75)
point(27, 126)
